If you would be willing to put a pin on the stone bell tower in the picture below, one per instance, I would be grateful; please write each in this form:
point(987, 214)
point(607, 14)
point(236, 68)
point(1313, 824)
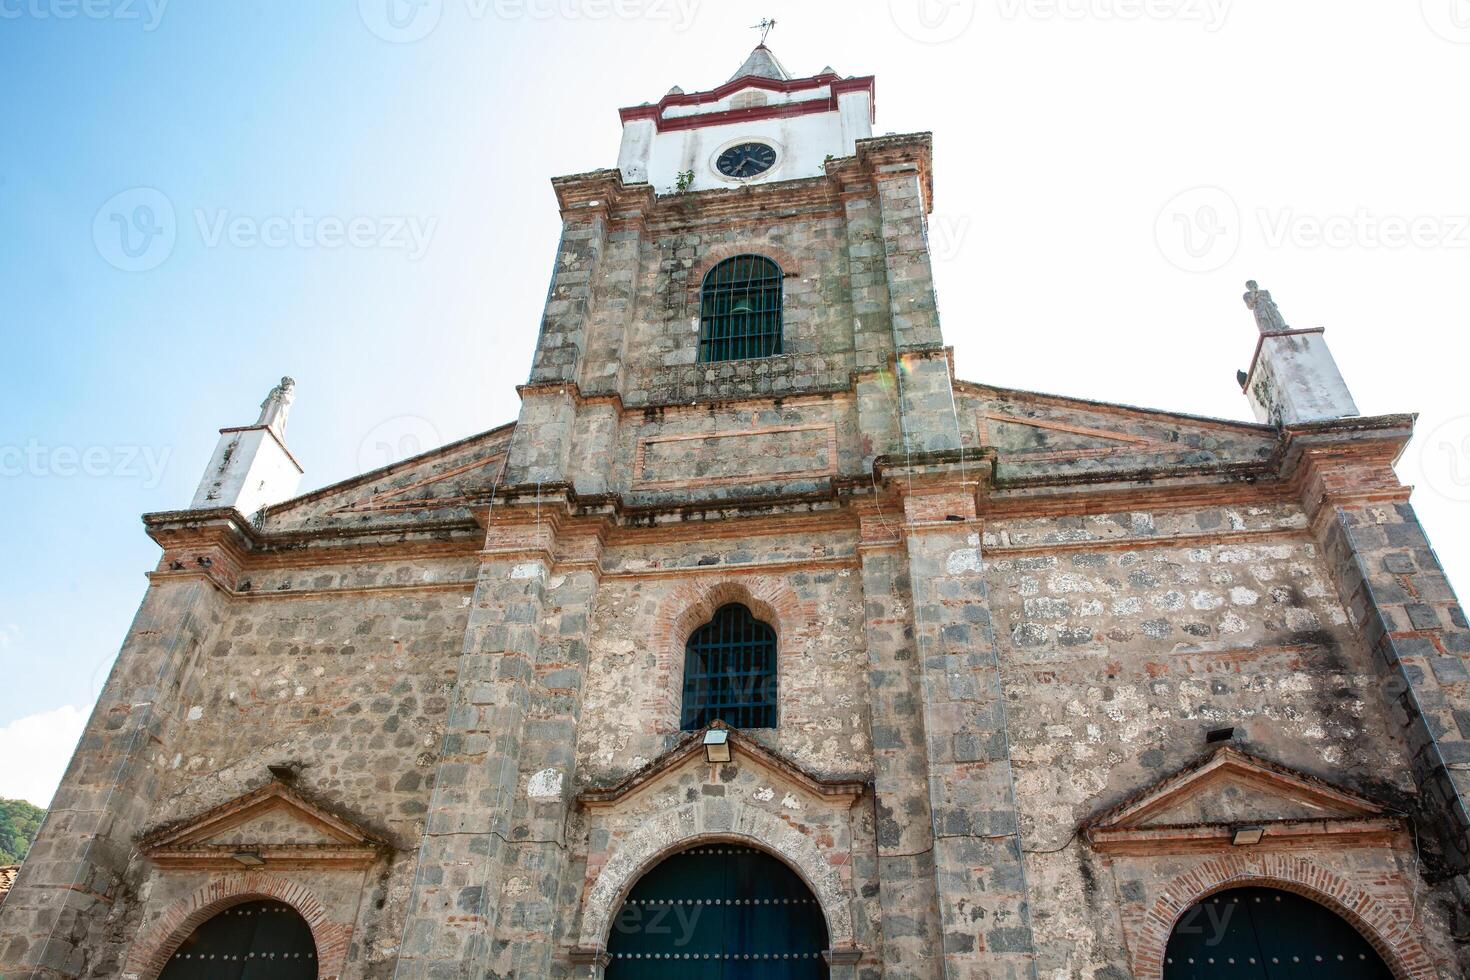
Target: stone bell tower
point(766, 163)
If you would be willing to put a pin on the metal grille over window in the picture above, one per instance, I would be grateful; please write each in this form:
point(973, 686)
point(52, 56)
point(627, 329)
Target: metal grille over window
point(730, 672)
point(740, 310)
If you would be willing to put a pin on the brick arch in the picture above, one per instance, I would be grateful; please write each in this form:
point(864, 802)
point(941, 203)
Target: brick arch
point(150, 954)
point(689, 826)
point(690, 605)
point(1385, 931)
point(716, 254)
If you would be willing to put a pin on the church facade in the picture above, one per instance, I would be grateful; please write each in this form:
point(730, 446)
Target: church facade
point(760, 645)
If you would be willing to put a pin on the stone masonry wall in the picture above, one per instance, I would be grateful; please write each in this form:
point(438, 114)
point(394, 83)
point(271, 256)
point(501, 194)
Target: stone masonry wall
point(644, 615)
point(664, 335)
point(349, 686)
point(1125, 638)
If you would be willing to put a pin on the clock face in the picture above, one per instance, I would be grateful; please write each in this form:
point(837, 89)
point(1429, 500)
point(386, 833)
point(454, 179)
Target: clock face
point(746, 160)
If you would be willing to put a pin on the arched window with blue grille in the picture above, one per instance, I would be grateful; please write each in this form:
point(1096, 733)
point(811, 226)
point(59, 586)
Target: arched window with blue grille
point(740, 310)
point(730, 672)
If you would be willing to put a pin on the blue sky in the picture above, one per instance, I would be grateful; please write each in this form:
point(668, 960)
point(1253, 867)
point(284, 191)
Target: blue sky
point(1064, 137)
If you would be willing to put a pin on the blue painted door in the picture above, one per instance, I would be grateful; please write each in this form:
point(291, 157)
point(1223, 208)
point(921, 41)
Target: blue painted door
point(719, 912)
point(254, 941)
point(1265, 934)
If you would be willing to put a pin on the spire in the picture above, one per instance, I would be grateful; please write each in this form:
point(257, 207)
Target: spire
point(761, 64)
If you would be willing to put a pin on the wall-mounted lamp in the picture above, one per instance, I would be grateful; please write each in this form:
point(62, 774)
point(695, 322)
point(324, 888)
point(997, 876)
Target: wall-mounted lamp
point(716, 745)
point(1246, 836)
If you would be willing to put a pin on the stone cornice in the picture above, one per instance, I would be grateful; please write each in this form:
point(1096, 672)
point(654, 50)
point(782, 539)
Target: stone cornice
point(656, 111)
point(890, 156)
point(1343, 461)
point(603, 193)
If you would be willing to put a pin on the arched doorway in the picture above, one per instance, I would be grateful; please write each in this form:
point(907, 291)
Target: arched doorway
point(719, 912)
point(1267, 934)
point(262, 940)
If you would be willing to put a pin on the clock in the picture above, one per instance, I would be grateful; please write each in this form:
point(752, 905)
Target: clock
point(745, 160)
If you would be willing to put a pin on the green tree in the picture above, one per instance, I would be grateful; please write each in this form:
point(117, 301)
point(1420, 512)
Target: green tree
point(19, 822)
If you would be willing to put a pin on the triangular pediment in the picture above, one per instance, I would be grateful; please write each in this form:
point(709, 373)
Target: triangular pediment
point(1034, 434)
point(744, 751)
point(456, 477)
point(1207, 802)
point(1040, 438)
point(272, 825)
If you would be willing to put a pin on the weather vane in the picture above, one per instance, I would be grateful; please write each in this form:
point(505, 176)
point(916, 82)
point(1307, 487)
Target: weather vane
point(764, 27)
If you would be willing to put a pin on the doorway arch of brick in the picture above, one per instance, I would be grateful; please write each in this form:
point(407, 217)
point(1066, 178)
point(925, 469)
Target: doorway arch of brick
point(690, 826)
point(1387, 932)
point(151, 953)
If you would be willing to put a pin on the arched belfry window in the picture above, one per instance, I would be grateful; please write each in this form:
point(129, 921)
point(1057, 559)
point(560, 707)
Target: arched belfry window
point(740, 310)
point(730, 672)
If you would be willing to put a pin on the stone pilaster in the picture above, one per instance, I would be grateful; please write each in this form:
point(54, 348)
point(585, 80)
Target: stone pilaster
point(926, 399)
point(1399, 598)
point(899, 167)
point(466, 844)
point(979, 868)
point(910, 907)
point(538, 898)
point(872, 339)
point(564, 323)
point(867, 272)
point(53, 922)
point(613, 306)
point(541, 448)
point(902, 207)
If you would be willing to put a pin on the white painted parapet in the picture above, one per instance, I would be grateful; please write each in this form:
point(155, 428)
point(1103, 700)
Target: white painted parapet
point(251, 467)
point(1293, 377)
point(674, 144)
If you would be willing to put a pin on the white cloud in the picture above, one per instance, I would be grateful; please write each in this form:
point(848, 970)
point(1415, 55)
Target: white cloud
point(9, 634)
point(34, 751)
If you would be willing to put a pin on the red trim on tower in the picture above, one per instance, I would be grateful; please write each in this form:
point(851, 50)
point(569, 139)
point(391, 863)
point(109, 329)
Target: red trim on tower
point(838, 86)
